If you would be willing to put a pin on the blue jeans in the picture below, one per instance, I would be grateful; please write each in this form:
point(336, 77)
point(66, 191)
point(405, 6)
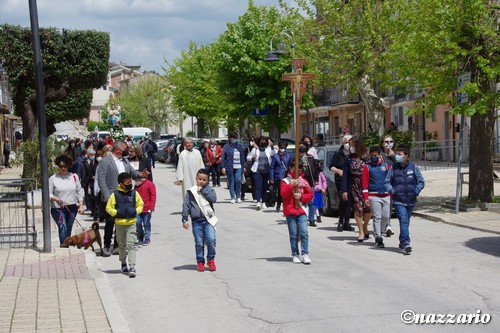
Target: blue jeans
point(64, 220)
point(143, 225)
point(312, 209)
point(260, 183)
point(234, 183)
point(298, 224)
point(404, 214)
point(204, 232)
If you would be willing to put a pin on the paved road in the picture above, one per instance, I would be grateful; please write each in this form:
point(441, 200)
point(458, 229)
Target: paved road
point(349, 287)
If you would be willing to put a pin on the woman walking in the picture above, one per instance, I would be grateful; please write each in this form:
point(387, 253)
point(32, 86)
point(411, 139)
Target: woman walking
point(66, 196)
point(232, 165)
point(261, 168)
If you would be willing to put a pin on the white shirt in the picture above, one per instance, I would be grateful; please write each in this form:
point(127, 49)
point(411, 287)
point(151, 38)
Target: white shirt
point(119, 164)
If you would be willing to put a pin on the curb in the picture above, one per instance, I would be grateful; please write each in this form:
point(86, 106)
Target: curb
point(438, 219)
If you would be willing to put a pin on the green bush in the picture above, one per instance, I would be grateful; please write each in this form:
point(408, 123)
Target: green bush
point(28, 156)
point(431, 146)
point(372, 139)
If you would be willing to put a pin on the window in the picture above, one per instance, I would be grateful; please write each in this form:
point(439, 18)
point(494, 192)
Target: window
point(434, 115)
point(322, 125)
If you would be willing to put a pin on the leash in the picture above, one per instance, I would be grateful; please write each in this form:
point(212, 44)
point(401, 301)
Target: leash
point(73, 216)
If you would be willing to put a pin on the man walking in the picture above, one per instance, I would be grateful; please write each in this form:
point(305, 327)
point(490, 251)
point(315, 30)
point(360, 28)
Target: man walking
point(6, 153)
point(190, 161)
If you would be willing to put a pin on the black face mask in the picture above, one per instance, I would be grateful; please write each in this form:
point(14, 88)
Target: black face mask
point(263, 145)
point(125, 153)
point(128, 187)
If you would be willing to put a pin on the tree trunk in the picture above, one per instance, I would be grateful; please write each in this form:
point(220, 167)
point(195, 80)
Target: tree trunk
point(481, 156)
point(375, 108)
point(200, 128)
point(274, 113)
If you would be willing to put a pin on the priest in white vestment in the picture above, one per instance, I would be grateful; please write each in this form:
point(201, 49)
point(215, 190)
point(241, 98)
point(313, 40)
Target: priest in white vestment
point(190, 161)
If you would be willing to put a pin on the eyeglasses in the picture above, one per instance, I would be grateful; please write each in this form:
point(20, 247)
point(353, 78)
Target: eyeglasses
point(388, 141)
point(62, 166)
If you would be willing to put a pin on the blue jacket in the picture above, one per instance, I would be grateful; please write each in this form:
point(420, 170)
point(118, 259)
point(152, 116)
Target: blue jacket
point(404, 182)
point(378, 172)
point(279, 166)
point(228, 156)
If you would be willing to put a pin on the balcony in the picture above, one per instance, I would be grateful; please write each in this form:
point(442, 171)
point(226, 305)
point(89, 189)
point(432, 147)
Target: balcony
point(333, 98)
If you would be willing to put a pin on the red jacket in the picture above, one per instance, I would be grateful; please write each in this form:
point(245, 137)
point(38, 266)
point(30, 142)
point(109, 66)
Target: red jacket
point(147, 190)
point(210, 155)
point(288, 199)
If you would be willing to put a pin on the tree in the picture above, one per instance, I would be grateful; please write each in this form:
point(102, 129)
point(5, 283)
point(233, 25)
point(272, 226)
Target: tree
point(438, 41)
point(145, 102)
point(74, 62)
point(351, 39)
point(248, 81)
point(193, 87)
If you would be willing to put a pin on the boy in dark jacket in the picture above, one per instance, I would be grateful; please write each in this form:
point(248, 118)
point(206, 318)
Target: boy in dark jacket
point(198, 204)
point(147, 190)
point(405, 182)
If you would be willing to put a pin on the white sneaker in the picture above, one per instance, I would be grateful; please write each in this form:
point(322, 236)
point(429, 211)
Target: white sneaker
point(296, 260)
point(232, 201)
point(239, 200)
point(259, 206)
point(305, 259)
point(264, 206)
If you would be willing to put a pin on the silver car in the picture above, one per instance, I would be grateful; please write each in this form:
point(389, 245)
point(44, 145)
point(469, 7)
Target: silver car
point(331, 199)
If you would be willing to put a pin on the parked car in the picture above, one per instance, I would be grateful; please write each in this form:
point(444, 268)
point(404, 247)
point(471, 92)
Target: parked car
point(331, 199)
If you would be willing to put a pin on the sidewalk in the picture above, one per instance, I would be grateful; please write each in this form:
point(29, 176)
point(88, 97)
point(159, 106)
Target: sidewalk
point(51, 292)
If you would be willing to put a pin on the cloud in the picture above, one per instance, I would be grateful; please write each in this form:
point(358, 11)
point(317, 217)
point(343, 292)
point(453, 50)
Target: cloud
point(142, 31)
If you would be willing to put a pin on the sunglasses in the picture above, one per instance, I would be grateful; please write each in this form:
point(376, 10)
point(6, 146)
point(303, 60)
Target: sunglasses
point(62, 166)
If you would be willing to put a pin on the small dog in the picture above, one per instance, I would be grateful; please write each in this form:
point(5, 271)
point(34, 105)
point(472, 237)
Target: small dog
point(85, 239)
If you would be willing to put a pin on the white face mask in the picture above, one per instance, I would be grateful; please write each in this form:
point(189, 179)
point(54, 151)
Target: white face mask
point(99, 158)
point(388, 145)
point(137, 183)
point(352, 149)
point(282, 150)
point(346, 146)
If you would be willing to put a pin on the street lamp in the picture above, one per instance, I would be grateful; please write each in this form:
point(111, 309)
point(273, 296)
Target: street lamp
point(99, 119)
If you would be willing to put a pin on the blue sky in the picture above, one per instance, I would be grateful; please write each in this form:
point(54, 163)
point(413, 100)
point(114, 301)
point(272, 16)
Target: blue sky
point(142, 31)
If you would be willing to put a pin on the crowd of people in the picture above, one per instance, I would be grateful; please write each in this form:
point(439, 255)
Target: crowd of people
point(98, 174)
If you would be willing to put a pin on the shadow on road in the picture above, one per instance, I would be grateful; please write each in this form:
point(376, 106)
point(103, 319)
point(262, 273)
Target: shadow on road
point(185, 267)
point(486, 245)
point(275, 259)
point(112, 271)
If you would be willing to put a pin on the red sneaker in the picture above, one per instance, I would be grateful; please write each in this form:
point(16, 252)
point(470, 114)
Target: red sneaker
point(201, 267)
point(211, 265)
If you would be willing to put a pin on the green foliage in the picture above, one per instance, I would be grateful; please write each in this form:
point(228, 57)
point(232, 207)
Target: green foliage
point(190, 134)
point(403, 137)
point(431, 146)
point(74, 62)
point(103, 126)
point(29, 157)
point(145, 102)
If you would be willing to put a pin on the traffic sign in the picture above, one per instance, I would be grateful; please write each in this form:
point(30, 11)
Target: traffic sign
point(462, 97)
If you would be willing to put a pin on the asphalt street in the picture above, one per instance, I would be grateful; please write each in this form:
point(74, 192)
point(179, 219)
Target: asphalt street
point(349, 287)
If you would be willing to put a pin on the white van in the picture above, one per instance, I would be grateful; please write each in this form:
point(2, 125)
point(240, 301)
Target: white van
point(137, 132)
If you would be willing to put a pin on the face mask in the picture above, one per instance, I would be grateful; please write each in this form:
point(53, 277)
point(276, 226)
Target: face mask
point(138, 183)
point(233, 141)
point(352, 149)
point(399, 158)
point(302, 149)
point(307, 144)
point(282, 150)
point(263, 145)
point(346, 146)
point(99, 159)
point(128, 187)
point(212, 146)
point(125, 153)
point(374, 159)
point(389, 145)
point(251, 143)
point(92, 158)
point(72, 145)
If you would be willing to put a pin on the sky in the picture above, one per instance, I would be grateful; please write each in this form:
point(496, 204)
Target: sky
point(142, 32)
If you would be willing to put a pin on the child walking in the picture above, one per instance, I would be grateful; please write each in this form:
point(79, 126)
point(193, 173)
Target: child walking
point(296, 216)
point(405, 182)
point(147, 190)
point(319, 191)
point(198, 204)
point(124, 204)
point(375, 193)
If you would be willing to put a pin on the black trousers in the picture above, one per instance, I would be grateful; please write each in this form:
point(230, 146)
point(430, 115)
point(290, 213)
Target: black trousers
point(344, 206)
point(108, 231)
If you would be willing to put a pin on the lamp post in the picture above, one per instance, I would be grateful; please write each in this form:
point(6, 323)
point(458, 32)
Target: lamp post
point(99, 119)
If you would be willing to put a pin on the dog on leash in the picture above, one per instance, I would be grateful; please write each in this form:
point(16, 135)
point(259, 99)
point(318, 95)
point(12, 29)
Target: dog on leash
point(85, 238)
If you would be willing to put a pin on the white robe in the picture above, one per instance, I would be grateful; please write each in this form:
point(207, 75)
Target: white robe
point(189, 164)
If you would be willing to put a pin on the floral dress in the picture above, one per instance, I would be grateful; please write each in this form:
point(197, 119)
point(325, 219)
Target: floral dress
point(358, 203)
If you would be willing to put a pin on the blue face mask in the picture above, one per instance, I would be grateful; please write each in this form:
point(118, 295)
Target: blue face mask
point(233, 140)
point(374, 159)
point(399, 158)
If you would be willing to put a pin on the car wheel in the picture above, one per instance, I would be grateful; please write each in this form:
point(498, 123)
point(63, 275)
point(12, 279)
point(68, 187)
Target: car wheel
point(328, 210)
